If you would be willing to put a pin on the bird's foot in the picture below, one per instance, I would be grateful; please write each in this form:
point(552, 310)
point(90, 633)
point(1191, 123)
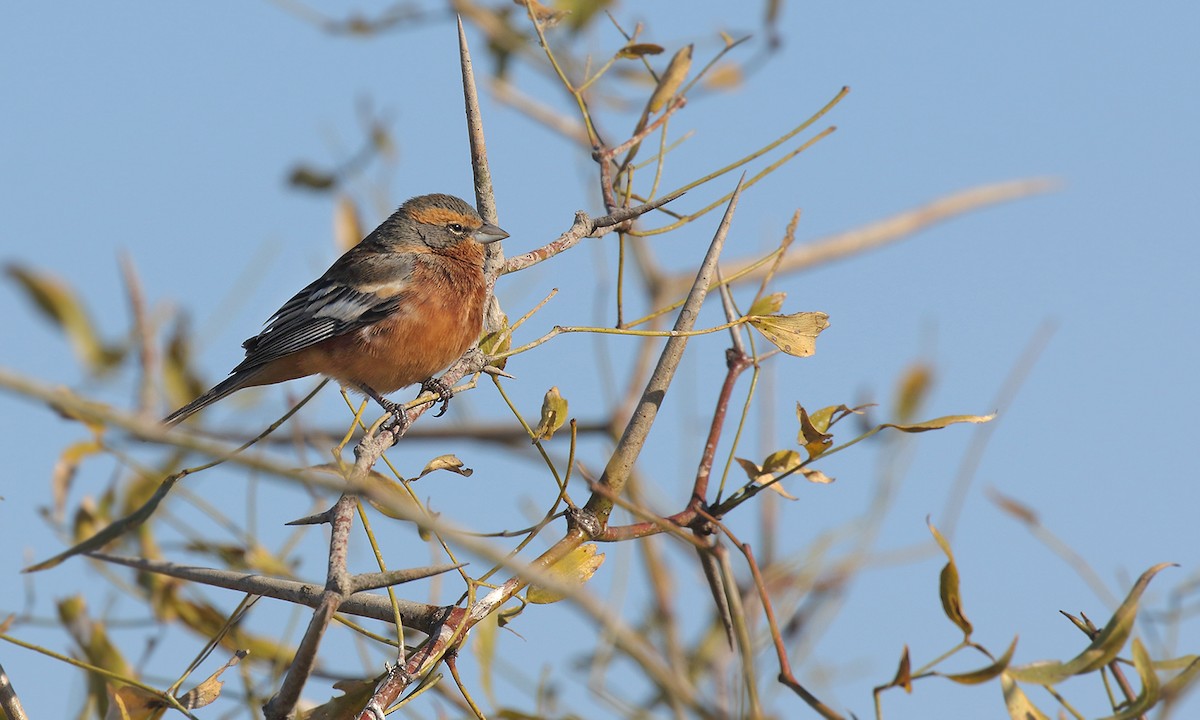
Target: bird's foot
point(396, 410)
point(439, 388)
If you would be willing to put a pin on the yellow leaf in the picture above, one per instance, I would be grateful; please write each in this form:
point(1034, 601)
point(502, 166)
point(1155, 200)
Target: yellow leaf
point(725, 76)
point(810, 437)
point(768, 304)
point(483, 644)
point(65, 469)
point(914, 386)
point(794, 334)
point(57, 301)
point(903, 678)
point(554, 414)
point(826, 417)
point(132, 703)
point(347, 231)
point(779, 462)
point(948, 586)
point(576, 568)
point(671, 80)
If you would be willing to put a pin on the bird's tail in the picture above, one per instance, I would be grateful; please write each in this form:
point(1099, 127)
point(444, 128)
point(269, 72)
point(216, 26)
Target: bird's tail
point(226, 387)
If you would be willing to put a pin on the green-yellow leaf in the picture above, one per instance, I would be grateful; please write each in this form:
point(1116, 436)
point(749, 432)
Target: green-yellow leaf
point(1149, 694)
point(1102, 650)
point(794, 334)
point(576, 568)
point(497, 342)
point(948, 586)
point(938, 423)
point(554, 414)
point(671, 79)
point(1019, 706)
point(983, 674)
point(768, 304)
point(483, 645)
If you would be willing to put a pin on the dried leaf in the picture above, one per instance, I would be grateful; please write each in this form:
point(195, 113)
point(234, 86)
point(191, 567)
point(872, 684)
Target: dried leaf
point(637, 50)
point(794, 334)
point(768, 304)
point(209, 690)
point(347, 231)
point(310, 178)
point(554, 414)
point(948, 586)
point(355, 694)
point(1017, 509)
point(671, 80)
point(816, 476)
point(445, 462)
point(577, 567)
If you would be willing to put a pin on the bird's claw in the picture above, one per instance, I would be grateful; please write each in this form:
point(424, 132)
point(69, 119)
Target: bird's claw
point(441, 389)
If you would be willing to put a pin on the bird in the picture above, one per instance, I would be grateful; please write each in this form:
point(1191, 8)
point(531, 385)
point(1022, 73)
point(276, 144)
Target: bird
point(396, 308)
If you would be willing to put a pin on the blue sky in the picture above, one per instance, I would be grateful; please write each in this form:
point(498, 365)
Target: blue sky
point(167, 131)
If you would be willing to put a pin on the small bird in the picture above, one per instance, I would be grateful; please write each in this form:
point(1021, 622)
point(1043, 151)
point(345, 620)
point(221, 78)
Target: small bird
point(396, 308)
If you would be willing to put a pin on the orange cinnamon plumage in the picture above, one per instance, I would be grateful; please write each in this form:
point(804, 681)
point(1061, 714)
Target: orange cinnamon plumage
point(395, 309)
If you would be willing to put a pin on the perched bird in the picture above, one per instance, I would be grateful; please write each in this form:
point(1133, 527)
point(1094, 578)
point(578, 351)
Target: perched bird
point(396, 308)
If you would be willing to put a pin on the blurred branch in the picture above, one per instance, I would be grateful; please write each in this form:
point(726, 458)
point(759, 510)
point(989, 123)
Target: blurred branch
point(889, 230)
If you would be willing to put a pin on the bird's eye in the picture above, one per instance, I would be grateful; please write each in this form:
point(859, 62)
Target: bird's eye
point(456, 228)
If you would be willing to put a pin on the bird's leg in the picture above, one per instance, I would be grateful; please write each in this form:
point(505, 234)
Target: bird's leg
point(439, 388)
point(391, 408)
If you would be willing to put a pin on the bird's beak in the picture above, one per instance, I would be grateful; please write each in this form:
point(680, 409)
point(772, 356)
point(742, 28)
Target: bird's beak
point(489, 233)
